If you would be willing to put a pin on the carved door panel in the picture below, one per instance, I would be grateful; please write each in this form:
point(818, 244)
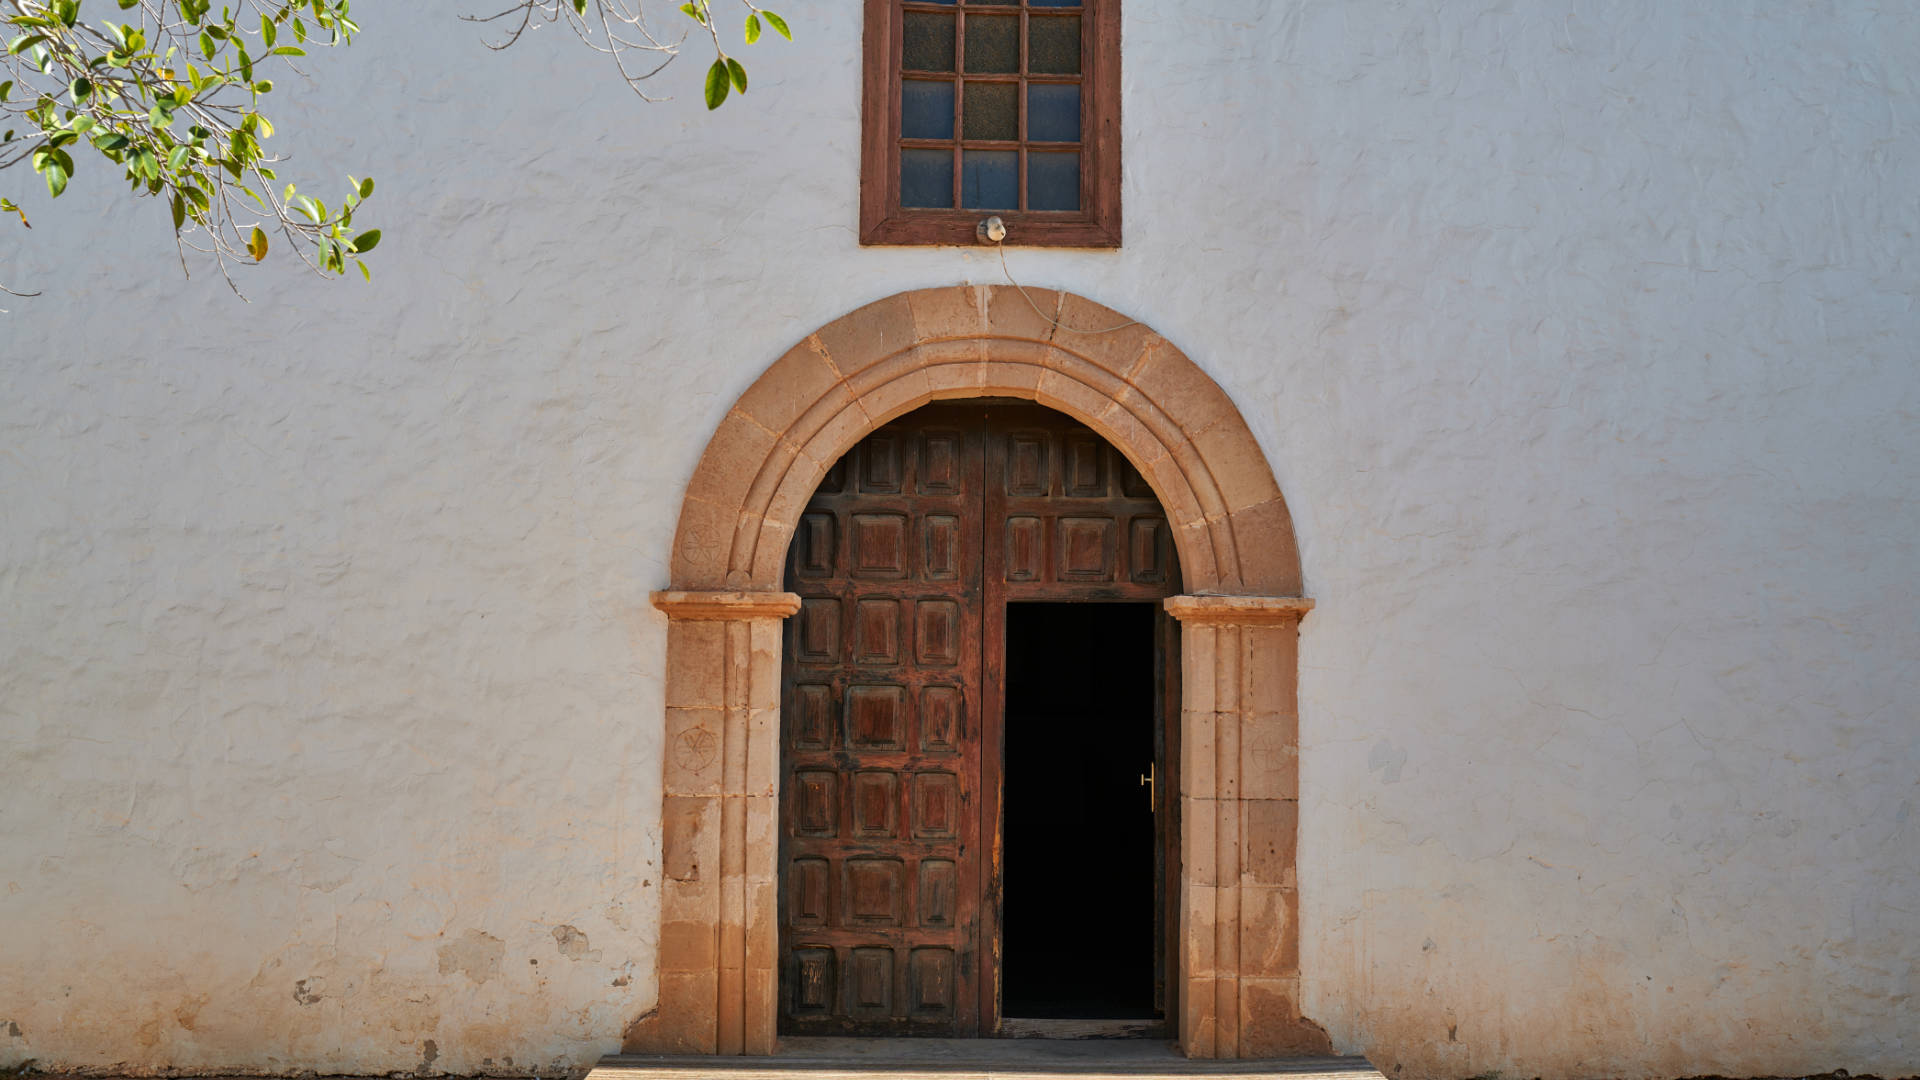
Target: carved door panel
point(880, 727)
point(892, 701)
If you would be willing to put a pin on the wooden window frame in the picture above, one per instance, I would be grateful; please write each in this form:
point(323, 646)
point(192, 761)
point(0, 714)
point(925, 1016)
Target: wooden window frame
point(1095, 225)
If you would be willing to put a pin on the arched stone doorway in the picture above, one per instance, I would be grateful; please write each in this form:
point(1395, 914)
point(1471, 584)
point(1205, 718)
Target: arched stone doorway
point(1238, 955)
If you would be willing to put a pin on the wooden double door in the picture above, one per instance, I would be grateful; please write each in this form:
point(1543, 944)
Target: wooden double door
point(892, 709)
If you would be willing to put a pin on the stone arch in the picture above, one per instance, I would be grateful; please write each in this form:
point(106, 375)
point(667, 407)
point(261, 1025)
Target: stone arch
point(1238, 982)
point(1131, 385)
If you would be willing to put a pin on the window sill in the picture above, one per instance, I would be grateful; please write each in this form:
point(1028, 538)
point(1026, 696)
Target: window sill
point(960, 227)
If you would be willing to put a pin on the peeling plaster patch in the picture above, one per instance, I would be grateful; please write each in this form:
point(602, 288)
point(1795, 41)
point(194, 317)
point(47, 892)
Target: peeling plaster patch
point(307, 991)
point(573, 943)
point(429, 1051)
point(13, 1031)
point(476, 955)
point(1386, 759)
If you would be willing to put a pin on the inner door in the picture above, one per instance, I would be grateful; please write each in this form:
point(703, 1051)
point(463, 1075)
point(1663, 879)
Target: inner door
point(893, 706)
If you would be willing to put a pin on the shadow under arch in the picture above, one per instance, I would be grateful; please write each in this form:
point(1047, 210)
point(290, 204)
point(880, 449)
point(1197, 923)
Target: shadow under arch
point(1238, 985)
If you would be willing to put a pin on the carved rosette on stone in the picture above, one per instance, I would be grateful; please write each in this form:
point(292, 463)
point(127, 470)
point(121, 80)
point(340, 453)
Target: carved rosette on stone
point(718, 953)
point(1239, 815)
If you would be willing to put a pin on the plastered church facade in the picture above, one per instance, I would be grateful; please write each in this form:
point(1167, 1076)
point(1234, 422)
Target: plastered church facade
point(1501, 417)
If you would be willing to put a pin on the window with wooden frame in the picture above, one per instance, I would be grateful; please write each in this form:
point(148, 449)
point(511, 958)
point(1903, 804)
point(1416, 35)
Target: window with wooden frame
point(978, 108)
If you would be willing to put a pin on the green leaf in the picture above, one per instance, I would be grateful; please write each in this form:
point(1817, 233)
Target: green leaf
point(56, 178)
point(79, 88)
point(693, 12)
point(268, 31)
point(579, 7)
point(753, 29)
point(110, 142)
point(738, 73)
point(779, 25)
point(177, 157)
point(257, 244)
point(366, 241)
point(179, 213)
point(287, 50)
point(364, 272)
point(311, 207)
point(6, 89)
point(719, 81)
point(366, 187)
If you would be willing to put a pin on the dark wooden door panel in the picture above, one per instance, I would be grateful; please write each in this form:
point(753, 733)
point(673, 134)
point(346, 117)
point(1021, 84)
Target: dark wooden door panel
point(905, 559)
point(880, 931)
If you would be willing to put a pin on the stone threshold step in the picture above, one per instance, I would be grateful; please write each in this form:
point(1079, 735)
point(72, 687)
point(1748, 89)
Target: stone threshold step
point(972, 1059)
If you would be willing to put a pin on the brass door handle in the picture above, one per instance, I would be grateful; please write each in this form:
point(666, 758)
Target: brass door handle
point(1147, 781)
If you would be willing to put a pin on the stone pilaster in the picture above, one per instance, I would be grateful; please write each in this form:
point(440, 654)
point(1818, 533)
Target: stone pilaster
point(1239, 792)
point(718, 924)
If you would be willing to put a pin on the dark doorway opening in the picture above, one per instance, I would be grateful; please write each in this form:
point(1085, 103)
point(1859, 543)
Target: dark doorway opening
point(1079, 913)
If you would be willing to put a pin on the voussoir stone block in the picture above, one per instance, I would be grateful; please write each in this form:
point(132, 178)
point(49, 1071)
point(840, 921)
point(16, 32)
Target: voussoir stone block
point(778, 397)
point(868, 335)
point(1010, 314)
point(956, 312)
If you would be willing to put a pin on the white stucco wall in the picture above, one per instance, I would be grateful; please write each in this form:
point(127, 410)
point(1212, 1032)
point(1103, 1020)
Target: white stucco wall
point(1582, 338)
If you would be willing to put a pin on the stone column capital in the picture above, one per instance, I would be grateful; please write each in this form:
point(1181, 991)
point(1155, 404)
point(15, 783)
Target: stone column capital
point(1238, 610)
point(725, 606)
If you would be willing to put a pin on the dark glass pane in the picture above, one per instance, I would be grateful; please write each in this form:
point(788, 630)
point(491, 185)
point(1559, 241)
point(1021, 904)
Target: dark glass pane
point(1046, 3)
point(1053, 112)
point(926, 41)
point(993, 3)
point(926, 178)
point(1053, 180)
point(990, 180)
point(993, 44)
point(992, 111)
point(926, 109)
point(1053, 45)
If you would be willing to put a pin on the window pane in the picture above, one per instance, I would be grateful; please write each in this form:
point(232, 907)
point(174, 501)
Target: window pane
point(926, 178)
point(926, 109)
point(989, 180)
point(1053, 45)
point(926, 41)
point(1053, 180)
point(1053, 112)
point(993, 3)
point(992, 111)
point(1041, 3)
point(993, 44)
